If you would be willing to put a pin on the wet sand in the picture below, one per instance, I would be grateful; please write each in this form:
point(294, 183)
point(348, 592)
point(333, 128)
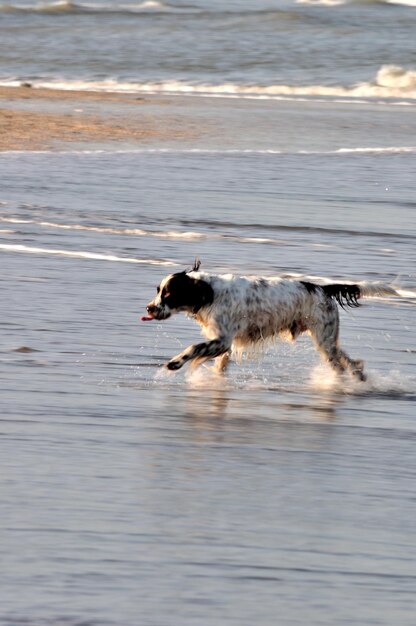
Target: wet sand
point(46, 119)
point(50, 119)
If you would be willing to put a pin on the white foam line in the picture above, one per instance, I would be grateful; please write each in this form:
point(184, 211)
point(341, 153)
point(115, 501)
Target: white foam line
point(313, 99)
point(139, 232)
point(388, 150)
point(68, 7)
point(181, 235)
point(371, 150)
point(15, 220)
point(390, 82)
point(82, 255)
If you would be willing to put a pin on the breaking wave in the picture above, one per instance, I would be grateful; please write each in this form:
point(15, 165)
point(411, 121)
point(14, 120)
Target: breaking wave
point(390, 82)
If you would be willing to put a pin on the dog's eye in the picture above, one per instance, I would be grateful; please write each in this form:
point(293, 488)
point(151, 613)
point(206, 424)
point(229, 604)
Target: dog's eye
point(157, 289)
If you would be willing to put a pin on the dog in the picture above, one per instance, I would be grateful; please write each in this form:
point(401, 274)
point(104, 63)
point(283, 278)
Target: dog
point(242, 312)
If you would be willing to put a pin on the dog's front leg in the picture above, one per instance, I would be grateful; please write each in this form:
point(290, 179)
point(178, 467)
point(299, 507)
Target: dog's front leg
point(205, 350)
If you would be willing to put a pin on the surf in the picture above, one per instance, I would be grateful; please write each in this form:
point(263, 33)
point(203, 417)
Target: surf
point(391, 83)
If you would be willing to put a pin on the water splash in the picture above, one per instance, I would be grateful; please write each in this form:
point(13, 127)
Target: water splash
point(392, 383)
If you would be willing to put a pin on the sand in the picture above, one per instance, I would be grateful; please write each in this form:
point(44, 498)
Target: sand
point(46, 119)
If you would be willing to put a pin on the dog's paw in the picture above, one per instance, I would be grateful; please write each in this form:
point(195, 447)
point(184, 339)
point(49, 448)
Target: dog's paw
point(174, 365)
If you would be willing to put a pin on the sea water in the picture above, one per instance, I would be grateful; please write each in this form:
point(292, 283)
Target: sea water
point(268, 48)
point(132, 496)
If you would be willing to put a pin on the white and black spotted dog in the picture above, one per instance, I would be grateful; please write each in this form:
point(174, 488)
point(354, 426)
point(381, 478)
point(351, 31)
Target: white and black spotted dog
point(238, 312)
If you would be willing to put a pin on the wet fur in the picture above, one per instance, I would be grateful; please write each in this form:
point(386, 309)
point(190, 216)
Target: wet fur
point(239, 313)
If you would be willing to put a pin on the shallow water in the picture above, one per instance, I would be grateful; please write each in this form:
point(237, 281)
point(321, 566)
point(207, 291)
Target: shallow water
point(133, 496)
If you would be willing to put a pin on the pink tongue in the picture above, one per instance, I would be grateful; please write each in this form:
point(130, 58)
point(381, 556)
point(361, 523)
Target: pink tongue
point(146, 319)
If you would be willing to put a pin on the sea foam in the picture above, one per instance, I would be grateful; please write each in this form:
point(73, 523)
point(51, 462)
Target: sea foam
point(81, 254)
point(390, 82)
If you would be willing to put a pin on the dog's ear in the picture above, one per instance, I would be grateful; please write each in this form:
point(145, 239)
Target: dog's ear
point(182, 290)
point(196, 265)
point(202, 294)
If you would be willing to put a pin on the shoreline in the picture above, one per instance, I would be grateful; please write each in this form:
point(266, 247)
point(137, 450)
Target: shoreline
point(53, 120)
point(50, 119)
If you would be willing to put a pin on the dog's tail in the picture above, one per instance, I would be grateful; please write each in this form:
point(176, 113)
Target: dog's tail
point(348, 295)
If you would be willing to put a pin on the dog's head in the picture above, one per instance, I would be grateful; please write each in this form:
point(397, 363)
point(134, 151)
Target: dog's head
point(182, 291)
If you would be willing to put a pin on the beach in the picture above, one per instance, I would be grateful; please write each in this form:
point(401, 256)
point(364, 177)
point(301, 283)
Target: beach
point(267, 139)
point(47, 119)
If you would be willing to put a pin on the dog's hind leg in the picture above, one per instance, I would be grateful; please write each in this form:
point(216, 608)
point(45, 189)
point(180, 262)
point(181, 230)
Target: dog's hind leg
point(325, 333)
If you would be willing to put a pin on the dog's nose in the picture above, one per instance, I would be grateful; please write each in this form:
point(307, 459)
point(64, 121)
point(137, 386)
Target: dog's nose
point(150, 308)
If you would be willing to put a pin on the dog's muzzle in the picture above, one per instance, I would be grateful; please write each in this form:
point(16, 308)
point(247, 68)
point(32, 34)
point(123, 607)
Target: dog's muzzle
point(158, 312)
